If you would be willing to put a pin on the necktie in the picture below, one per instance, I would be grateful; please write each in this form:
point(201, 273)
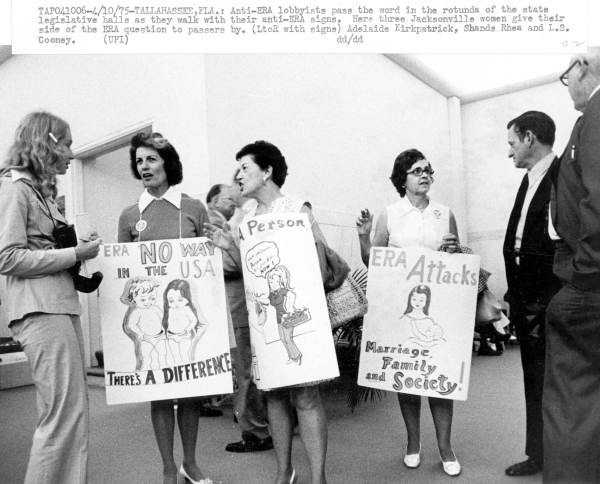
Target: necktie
point(554, 177)
point(515, 215)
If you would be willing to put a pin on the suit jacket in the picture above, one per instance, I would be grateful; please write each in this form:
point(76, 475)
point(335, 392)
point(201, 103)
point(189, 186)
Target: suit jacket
point(36, 271)
point(577, 212)
point(532, 281)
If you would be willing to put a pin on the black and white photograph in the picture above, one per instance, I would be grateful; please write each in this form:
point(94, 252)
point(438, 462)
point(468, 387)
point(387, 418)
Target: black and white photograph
point(301, 158)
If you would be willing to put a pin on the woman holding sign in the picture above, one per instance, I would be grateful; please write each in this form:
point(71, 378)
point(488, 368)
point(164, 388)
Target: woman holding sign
point(263, 172)
point(41, 300)
point(415, 220)
point(163, 212)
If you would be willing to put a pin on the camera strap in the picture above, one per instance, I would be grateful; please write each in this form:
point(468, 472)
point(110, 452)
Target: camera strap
point(41, 198)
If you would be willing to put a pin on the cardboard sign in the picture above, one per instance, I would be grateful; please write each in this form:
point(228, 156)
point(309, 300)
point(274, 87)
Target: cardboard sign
point(164, 320)
point(290, 329)
point(418, 334)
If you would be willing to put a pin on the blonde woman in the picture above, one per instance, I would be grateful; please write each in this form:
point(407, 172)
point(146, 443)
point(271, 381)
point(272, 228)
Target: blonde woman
point(41, 301)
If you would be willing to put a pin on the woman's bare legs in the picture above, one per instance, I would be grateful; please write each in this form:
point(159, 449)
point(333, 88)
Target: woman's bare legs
point(410, 406)
point(313, 429)
point(279, 409)
point(163, 422)
point(441, 410)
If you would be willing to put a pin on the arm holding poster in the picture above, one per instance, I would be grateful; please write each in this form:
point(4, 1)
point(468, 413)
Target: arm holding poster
point(290, 328)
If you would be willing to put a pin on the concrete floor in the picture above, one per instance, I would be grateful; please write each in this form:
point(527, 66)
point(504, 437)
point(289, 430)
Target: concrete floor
point(365, 447)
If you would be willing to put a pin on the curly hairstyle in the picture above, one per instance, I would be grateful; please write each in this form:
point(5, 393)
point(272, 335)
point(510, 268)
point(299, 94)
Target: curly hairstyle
point(402, 164)
point(266, 154)
point(167, 152)
point(34, 151)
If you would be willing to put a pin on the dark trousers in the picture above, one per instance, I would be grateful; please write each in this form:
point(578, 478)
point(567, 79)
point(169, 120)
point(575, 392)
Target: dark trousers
point(571, 404)
point(250, 406)
point(530, 333)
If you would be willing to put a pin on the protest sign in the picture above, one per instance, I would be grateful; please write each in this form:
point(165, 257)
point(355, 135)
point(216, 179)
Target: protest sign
point(164, 320)
point(289, 322)
point(417, 336)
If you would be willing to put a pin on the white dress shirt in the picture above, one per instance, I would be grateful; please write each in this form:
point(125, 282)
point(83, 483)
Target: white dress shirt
point(535, 175)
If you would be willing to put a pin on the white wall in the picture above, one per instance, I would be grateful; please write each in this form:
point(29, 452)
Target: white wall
point(99, 95)
point(340, 121)
point(492, 180)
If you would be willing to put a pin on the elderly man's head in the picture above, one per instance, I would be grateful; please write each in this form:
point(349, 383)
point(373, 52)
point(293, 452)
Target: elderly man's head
point(582, 77)
point(221, 199)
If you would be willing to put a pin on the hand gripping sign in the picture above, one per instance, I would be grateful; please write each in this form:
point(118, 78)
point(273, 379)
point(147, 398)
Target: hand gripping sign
point(290, 329)
point(164, 321)
point(418, 333)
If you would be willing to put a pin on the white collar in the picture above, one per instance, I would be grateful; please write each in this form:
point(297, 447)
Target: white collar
point(172, 195)
point(406, 204)
point(594, 91)
point(540, 168)
point(18, 174)
point(249, 206)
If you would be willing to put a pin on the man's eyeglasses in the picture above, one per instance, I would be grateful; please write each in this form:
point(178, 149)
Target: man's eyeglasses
point(419, 171)
point(564, 77)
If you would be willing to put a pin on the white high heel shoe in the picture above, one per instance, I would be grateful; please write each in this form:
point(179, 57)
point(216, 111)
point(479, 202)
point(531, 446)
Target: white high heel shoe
point(412, 461)
point(293, 476)
point(187, 477)
point(452, 468)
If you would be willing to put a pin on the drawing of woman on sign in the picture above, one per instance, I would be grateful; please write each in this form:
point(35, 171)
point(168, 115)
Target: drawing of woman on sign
point(264, 262)
point(283, 299)
point(183, 323)
point(425, 331)
point(142, 323)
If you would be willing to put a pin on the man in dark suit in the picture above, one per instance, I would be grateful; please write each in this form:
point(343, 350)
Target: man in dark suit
point(571, 405)
point(528, 255)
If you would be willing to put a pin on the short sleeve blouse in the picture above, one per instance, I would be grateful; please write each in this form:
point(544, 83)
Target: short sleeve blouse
point(408, 226)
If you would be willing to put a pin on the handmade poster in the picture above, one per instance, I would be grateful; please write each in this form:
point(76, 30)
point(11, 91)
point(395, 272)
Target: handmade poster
point(418, 333)
point(290, 330)
point(164, 321)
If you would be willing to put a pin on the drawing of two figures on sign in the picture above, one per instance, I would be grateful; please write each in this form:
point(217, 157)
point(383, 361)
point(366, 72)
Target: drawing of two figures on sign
point(263, 261)
point(164, 336)
point(424, 330)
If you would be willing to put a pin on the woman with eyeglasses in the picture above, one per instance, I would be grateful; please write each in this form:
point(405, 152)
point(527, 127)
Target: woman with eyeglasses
point(415, 220)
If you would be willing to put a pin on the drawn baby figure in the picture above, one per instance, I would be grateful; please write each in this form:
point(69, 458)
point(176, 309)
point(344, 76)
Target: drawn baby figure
point(184, 324)
point(142, 323)
point(425, 331)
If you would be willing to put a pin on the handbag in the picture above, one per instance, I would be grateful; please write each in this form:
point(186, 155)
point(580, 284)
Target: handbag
point(334, 269)
point(489, 309)
point(296, 318)
point(345, 292)
point(348, 301)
